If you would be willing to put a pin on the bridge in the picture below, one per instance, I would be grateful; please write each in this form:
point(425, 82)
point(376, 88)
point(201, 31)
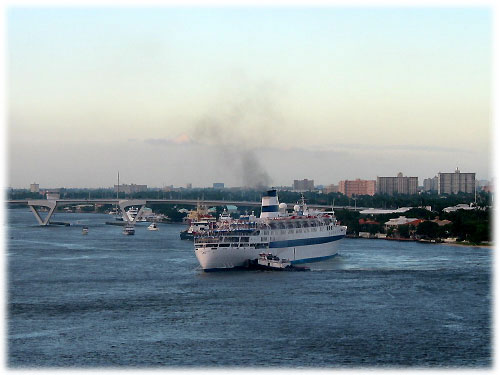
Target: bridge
point(52, 204)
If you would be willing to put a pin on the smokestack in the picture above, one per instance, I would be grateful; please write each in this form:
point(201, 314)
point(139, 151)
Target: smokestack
point(270, 204)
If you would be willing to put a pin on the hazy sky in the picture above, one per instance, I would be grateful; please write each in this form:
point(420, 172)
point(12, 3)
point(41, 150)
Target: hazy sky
point(201, 95)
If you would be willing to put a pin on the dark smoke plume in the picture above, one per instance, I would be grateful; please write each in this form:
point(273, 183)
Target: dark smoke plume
point(238, 127)
point(234, 151)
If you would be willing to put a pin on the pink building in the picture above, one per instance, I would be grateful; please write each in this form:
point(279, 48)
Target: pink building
point(357, 187)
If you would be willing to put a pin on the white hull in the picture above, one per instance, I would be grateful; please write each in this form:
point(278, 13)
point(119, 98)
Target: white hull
point(300, 237)
point(231, 257)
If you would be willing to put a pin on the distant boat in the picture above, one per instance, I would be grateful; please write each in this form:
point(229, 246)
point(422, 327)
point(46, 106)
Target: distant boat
point(153, 226)
point(132, 213)
point(146, 215)
point(199, 220)
point(85, 230)
point(128, 230)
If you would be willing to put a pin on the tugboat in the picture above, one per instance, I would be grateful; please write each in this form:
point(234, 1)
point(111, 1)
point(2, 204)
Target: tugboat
point(272, 262)
point(85, 230)
point(128, 230)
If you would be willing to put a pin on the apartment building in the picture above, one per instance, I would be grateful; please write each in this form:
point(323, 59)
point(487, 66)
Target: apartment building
point(357, 187)
point(397, 185)
point(456, 182)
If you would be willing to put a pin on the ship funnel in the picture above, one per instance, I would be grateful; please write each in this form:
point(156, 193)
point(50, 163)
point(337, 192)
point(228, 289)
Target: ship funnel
point(270, 204)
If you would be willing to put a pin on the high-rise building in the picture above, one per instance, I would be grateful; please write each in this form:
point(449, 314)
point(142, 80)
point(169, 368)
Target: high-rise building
point(130, 189)
point(218, 185)
point(431, 184)
point(357, 187)
point(52, 194)
point(303, 185)
point(397, 185)
point(456, 182)
point(331, 189)
point(189, 185)
point(34, 188)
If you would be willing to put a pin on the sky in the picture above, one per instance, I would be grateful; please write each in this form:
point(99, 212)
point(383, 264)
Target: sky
point(247, 95)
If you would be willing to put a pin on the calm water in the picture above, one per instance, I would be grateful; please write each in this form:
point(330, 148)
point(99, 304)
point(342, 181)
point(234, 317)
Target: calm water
point(106, 299)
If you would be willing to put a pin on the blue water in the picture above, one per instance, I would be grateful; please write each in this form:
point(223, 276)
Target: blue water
point(109, 300)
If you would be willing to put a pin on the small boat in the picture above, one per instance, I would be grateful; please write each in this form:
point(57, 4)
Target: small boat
point(132, 212)
point(85, 230)
point(128, 230)
point(153, 226)
point(270, 262)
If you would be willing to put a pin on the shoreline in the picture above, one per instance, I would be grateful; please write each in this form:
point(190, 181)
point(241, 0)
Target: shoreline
point(425, 242)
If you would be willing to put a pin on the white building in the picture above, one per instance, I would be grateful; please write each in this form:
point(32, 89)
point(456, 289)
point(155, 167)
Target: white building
point(381, 211)
point(400, 221)
point(458, 207)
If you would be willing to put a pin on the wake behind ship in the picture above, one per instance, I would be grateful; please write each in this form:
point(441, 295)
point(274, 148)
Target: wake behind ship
point(301, 236)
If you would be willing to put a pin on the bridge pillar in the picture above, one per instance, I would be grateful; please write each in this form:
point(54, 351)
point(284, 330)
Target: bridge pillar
point(50, 204)
point(128, 203)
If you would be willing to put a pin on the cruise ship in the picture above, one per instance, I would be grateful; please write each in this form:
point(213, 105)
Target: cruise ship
point(301, 236)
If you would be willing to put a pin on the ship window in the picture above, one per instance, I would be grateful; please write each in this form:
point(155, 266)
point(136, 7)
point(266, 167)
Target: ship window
point(224, 245)
point(245, 239)
point(290, 231)
point(234, 245)
point(263, 239)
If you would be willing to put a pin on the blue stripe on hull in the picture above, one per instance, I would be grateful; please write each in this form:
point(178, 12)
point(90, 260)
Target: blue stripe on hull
point(299, 261)
point(311, 260)
point(304, 242)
